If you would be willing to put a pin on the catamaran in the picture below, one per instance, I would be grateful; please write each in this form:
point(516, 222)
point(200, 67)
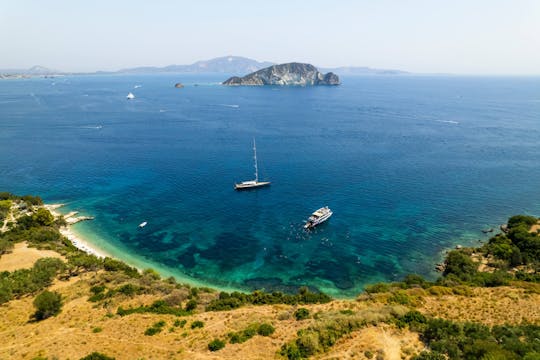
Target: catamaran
point(319, 216)
point(252, 183)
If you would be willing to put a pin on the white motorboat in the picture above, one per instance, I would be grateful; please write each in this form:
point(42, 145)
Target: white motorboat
point(319, 216)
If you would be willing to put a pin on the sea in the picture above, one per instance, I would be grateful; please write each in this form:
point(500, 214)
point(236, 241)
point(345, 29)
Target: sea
point(410, 165)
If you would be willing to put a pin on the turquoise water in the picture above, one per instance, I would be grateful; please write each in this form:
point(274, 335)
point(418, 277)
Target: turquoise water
point(410, 166)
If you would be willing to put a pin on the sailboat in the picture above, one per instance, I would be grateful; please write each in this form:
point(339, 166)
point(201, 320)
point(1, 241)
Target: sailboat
point(252, 183)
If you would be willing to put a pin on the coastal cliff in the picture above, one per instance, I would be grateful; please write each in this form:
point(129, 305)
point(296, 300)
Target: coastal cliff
point(298, 74)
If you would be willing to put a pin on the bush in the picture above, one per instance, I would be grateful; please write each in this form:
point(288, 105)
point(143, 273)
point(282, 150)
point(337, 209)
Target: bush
point(97, 356)
point(47, 304)
point(191, 305)
point(197, 324)
point(301, 314)
point(155, 329)
point(97, 330)
point(377, 288)
point(179, 323)
point(216, 345)
point(460, 265)
point(265, 329)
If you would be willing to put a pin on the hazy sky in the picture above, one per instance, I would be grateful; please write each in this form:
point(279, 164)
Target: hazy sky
point(450, 36)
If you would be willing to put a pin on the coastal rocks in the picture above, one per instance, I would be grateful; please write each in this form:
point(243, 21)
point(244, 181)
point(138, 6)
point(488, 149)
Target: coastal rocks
point(178, 85)
point(297, 74)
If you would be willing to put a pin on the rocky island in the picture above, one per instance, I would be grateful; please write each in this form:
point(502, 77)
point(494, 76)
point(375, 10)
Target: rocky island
point(298, 74)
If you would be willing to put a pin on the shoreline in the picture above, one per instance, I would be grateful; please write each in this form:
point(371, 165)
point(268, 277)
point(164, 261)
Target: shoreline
point(77, 241)
point(83, 244)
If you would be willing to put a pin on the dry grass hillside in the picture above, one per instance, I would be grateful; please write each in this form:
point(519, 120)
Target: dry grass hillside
point(83, 327)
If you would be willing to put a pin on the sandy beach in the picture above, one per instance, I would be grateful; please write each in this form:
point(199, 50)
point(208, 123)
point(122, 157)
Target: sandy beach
point(75, 238)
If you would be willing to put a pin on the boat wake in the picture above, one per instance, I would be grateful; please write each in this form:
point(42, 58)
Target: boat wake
point(230, 105)
point(448, 121)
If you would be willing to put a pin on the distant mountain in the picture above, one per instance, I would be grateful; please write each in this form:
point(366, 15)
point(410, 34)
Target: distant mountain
point(298, 74)
point(34, 70)
point(363, 70)
point(225, 64)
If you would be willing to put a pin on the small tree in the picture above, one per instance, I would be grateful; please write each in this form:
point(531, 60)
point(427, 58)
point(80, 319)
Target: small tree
point(216, 345)
point(47, 304)
point(301, 314)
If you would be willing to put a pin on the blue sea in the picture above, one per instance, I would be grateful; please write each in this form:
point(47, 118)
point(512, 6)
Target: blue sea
point(410, 165)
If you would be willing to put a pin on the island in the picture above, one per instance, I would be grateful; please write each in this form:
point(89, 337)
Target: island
point(296, 74)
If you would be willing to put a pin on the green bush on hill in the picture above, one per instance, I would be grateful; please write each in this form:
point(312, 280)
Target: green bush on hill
point(47, 304)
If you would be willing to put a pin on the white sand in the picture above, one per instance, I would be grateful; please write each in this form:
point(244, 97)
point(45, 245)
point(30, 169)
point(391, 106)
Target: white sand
point(76, 239)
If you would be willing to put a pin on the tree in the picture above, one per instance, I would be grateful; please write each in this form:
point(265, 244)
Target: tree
point(47, 304)
point(461, 265)
point(43, 217)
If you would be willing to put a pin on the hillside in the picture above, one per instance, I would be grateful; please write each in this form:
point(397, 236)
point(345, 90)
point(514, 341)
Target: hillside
point(119, 312)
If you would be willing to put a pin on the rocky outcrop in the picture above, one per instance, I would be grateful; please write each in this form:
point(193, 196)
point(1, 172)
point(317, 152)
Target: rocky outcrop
point(286, 74)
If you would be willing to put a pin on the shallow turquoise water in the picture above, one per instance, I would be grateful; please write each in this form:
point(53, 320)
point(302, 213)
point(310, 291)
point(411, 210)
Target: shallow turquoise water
point(409, 165)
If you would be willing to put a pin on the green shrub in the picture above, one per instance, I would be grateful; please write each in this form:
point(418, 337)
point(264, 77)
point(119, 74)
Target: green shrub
point(191, 305)
point(265, 329)
point(180, 323)
point(155, 329)
point(301, 314)
point(377, 288)
point(97, 356)
point(97, 330)
point(47, 304)
point(399, 297)
point(197, 324)
point(216, 345)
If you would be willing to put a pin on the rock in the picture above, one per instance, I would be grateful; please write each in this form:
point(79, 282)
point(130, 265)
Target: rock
point(285, 74)
point(504, 228)
point(178, 85)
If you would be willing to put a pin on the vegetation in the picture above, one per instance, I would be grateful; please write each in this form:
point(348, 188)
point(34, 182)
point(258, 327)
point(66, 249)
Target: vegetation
point(318, 338)
point(244, 335)
point(229, 301)
point(97, 356)
point(47, 304)
point(157, 307)
point(216, 345)
point(453, 340)
point(301, 314)
point(28, 281)
point(155, 328)
point(197, 324)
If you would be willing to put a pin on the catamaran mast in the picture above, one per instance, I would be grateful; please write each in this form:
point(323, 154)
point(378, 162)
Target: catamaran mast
point(255, 157)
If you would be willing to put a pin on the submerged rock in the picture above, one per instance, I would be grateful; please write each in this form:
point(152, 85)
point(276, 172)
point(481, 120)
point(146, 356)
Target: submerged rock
point(286, 74)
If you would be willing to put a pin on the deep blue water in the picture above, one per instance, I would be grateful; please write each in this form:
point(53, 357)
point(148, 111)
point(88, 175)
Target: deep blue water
point(410, 166)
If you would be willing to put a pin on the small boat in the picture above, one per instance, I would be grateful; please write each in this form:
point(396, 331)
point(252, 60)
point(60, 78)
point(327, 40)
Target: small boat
point(319, 216)
point(143, 224)
point(130, 96)
point(252, 183)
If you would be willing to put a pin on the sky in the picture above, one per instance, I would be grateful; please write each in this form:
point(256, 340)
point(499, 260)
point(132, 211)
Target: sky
point(500, 37)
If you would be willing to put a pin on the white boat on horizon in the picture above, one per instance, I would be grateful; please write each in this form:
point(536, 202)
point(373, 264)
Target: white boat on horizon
point(250, 184)
point(319, 216)
point(130, 96)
